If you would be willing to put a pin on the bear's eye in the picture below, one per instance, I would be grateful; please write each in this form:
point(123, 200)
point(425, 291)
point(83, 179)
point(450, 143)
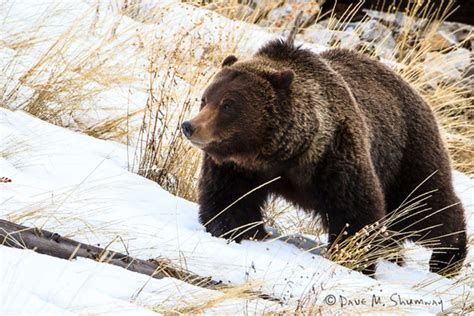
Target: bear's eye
point(203, 102)
point(227, 106)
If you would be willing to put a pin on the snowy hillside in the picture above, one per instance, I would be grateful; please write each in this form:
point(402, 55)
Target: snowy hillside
point(80, 64)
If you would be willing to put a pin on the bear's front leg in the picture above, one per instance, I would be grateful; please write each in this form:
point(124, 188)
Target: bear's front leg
point(222, 208)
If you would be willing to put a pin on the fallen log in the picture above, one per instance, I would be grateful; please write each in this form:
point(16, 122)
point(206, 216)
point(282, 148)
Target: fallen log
point(52, 244)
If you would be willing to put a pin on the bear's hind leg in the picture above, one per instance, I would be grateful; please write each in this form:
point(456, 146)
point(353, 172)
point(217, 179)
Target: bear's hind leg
point(448, 257)
point(438, 223)
point(448, 239)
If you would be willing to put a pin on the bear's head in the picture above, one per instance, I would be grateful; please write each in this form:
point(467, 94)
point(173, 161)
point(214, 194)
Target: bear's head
point(236, 117)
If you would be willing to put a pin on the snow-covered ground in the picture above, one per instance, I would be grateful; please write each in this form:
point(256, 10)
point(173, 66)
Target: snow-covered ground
point(80, 187)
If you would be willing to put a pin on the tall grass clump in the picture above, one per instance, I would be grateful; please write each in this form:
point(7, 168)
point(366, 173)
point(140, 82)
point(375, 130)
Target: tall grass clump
point(175, 84)
point(58, 77)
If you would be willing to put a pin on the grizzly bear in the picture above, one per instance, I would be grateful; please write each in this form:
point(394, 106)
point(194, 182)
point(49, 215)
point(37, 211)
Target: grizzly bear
point(340, 135)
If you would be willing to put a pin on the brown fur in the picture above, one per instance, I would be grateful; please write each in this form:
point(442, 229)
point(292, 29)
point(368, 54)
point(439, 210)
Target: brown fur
point(348, 137)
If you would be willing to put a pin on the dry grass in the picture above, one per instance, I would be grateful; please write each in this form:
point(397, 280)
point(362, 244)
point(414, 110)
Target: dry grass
point(205, 304)
point(161, 153)
point(65, 76)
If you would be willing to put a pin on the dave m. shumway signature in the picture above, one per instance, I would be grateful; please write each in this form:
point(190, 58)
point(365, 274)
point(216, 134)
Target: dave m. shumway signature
point(393, 300)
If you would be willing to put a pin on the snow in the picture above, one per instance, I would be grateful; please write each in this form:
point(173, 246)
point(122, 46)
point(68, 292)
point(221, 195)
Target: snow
point(59, 287)
point(81, 187)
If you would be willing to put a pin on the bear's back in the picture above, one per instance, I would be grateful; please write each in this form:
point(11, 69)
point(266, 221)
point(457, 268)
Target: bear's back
point(397, 116)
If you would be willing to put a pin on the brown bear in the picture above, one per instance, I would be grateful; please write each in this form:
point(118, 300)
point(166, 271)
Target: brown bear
point(342, 135)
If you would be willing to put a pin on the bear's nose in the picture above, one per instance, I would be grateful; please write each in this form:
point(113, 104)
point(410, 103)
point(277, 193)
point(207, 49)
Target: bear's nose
point(187, 129)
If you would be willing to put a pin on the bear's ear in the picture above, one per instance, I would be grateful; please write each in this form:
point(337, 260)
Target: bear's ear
point(282, 79)
point(229, 60)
